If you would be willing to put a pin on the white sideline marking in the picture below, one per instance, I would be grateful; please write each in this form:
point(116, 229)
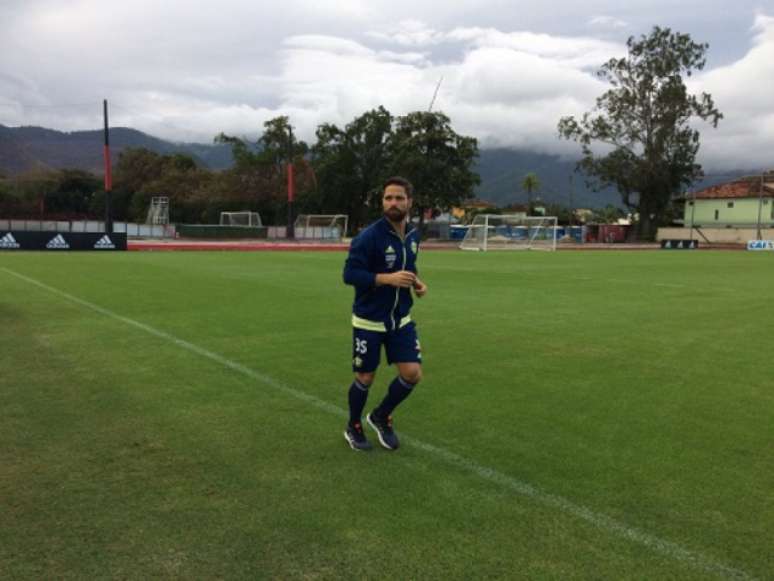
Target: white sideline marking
point(599, 520)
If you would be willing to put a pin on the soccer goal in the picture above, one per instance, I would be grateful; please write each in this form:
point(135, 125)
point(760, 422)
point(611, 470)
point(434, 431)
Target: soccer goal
point(158, 211)
point(320, 226)
point(240, 219)
point(511, 232)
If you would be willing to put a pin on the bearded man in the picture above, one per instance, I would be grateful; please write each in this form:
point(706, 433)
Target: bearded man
point(382, 266)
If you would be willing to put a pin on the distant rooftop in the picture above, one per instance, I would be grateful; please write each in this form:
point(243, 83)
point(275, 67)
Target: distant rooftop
point(745, 187)
point(476, 203)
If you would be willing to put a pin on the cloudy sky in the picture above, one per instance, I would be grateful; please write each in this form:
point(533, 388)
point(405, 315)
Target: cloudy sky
point(187, 70)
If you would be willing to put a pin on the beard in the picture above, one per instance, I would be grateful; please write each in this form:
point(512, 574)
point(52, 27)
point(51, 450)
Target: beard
point(395, 214)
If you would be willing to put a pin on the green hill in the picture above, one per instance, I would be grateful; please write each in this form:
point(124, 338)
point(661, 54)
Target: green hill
point(24, 148)
point(502, 172)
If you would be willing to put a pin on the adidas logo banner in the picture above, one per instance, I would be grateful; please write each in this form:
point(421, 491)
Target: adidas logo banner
point(58, 242)
point(679, 244)
point(105, 243)
point(8, 241)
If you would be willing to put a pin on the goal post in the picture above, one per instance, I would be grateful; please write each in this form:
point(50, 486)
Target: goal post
point(158, 211)
point(321, 226)
point(511, 232)
point(244, 218)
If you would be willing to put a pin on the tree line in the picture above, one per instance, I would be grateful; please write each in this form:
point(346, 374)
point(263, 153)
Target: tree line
point(340, 173)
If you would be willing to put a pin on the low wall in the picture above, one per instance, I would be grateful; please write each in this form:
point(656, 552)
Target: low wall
point(131, 229)
point(714, 235)
point(221, 232)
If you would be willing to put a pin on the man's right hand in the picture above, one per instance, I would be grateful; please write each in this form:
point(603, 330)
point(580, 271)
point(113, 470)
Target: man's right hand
point(400, 279)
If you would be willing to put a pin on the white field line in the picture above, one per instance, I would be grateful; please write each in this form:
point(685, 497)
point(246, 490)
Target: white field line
point(665, 284)
point(661, 284)
point(605, 523)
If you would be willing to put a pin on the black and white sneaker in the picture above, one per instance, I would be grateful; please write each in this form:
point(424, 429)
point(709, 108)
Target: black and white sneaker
point(356, 438)
point(383, 426)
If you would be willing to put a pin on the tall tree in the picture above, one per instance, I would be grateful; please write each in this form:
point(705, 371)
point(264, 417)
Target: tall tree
point(260, 168)
point(74, 192)
point(136, 167)
point(141, 174)
point(352, 163)
point(438, 161)
point(24, 195)
point(277, 144)
point(529, 184)
point(643, 124)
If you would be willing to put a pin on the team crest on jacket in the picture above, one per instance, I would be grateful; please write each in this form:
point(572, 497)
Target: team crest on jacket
point(390, 256)
point(414, 246)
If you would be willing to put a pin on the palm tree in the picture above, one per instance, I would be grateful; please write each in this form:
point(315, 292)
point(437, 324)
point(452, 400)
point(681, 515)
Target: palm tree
point(530, 184)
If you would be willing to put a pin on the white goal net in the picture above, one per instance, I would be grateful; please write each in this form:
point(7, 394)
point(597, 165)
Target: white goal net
point(240, 219)
point(158, 211)
point(511, 232)
point(320, 226)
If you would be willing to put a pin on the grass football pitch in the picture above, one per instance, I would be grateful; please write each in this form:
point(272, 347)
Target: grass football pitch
point(605, 415)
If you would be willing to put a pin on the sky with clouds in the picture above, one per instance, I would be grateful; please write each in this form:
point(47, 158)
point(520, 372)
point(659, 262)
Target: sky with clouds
point(188, 70)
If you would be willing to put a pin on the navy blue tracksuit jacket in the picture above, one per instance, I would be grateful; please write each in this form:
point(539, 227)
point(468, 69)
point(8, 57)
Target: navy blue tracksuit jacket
point(379, 249)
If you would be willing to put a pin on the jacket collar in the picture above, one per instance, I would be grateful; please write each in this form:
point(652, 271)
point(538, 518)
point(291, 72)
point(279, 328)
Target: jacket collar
point(387, 227)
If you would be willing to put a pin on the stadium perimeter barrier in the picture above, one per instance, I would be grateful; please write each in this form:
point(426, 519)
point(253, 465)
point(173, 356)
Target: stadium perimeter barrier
point(60, 241)
point(130, 229)
point(719, 235)
point(574, 234)
point(215, 231)
point(317, 233)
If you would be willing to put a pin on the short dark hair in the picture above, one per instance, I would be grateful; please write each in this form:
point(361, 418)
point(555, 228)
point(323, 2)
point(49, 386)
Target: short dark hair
point(399, 181)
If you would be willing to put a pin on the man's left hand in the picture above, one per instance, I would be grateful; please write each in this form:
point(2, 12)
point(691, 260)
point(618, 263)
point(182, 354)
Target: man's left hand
point(420, 288)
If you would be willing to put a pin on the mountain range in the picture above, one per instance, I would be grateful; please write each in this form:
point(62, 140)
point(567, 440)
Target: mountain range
point(502, 170)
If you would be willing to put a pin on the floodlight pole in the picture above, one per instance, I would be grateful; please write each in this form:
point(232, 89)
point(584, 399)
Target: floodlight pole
point(291, 186)
point(108, 173)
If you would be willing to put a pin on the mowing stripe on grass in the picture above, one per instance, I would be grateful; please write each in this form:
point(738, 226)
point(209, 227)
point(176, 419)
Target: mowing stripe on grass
point(564, 505)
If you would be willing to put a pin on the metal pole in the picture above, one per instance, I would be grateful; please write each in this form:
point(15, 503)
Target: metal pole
point(693, 210)
point(486, 230)
point(108, 174)
point(291, 185)
point(760, 207)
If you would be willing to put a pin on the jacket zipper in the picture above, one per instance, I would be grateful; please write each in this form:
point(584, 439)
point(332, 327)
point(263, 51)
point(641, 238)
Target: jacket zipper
point(403, 267)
